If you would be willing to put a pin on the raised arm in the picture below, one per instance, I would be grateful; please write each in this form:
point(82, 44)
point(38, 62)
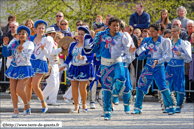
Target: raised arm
point(167, 52)
point(6, 51)
point(186, 53)
point(92, 45)
point(49, 46)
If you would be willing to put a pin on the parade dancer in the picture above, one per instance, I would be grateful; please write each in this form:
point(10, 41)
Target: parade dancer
point(20, 69)
point(110, 44)
point(52, 87)
point(43, 47)
point(157, 50)
point(175, 77)
point(94, 83)
point(81, 69)
point(127, 59)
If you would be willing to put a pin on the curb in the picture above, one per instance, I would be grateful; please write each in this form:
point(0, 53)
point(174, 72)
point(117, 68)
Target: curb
point(147, 98)
point(39, 110)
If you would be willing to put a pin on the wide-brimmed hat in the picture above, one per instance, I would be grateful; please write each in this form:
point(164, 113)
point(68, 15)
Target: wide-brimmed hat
point(24, 28)
point(50, 30)
point(84, 28)
point(66, 40)
point(40, 21)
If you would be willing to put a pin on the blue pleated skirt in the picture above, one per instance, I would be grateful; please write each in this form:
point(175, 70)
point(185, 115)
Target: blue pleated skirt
point(19, 72)
point(81, 73)
point(39, 66)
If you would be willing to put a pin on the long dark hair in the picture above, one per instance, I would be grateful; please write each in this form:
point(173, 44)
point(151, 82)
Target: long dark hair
point(166, 21)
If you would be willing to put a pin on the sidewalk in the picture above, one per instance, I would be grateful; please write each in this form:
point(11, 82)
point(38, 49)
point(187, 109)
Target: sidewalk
point(151, 118)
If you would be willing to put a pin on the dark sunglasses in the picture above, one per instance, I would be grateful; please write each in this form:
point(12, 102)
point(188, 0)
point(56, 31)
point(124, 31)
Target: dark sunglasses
point(63, 24)
point(58, 16)
point(81, 34)
point(79, 25)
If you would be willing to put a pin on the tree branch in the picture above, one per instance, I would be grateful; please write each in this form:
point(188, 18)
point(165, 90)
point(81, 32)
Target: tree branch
point(67, 5)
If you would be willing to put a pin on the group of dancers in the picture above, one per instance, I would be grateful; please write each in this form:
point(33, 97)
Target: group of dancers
point(112, 50)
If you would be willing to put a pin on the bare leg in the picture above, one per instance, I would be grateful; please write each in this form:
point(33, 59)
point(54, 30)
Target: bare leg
point(29, 89)
point(35, 85)
point(20, 90)
point(83, 91)
point(14, 97)
point(74, 85)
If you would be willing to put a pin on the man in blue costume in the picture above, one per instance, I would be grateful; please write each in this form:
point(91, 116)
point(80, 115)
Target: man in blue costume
point(157, 50)
point(175, 77)
point(110, 44)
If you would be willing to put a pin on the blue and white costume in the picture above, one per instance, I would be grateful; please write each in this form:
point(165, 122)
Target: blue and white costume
point(94, 83)
point(112, 71)
point(52, 87)
point(38, 58)
point(127, 59)
point(80, 70)
point(175, 76)
point(20, 67)
point(160, 51)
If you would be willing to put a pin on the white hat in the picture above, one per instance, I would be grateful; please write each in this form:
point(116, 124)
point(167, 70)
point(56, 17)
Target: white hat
point(50, 30)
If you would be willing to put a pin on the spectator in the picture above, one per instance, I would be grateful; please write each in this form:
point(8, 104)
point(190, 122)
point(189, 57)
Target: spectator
point(137, 32)
point(86, 24)
point(75, 33)
point(13, 27)
point(190, 29)
point(1, 43)
point(163, 28)
point(1, 38)
point(6, 29)
point(145, 33)
point(164, 19)
point(107, 19)
point(98, 23)
point(181, 12)
point(183, 34)
point(191, 72)
point(59, 17)
point(64, 28)
point(167, 34)
point(58, 37)
point(30, 24)
point(139, 19)
point(139, 41)
point(129, 29)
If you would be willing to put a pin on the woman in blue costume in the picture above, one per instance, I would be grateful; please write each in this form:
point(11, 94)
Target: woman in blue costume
point(20, 69)
point(81, 69)
point(42, 49)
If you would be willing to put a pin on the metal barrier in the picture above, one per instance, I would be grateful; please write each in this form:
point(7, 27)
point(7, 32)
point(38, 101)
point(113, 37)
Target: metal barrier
point(65, 80)
point(151, 84)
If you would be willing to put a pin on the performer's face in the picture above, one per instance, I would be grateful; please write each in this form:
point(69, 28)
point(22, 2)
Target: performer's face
point(40, 29)
point(168, 35)
point(174, 33)
point(114, 27)
point(153, 33)
point(81, 35)
point(22, 35)
point(53, 35)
